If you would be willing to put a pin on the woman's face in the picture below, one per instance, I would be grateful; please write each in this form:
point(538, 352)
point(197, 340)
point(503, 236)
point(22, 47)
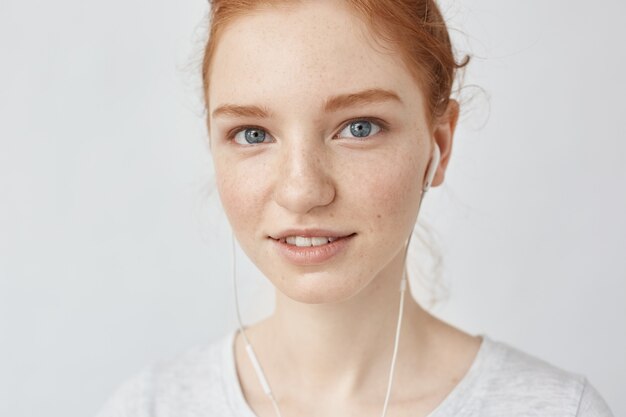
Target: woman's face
point(316, 132)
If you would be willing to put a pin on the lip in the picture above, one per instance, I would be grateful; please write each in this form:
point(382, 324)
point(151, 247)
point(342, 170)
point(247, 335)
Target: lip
point(312, 255)
point(309, 233)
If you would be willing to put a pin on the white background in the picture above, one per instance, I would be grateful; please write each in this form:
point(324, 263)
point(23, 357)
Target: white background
point(114, 252)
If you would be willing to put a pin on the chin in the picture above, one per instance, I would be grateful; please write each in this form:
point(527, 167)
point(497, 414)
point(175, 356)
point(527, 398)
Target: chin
point(320, 288)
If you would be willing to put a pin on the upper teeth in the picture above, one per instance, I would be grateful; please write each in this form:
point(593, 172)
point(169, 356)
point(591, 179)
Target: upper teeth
point(308, 241)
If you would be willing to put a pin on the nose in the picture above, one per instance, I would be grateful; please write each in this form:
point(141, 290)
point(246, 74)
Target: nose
point(304, 178)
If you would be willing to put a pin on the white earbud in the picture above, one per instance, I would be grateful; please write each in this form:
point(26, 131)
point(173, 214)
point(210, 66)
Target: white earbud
point(432, 168)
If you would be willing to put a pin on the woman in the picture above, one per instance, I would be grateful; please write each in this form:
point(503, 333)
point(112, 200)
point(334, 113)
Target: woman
point(328, 121)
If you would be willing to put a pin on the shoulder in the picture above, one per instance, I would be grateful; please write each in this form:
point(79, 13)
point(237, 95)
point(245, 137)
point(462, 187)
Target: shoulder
point(189, 385)
point(519, 384)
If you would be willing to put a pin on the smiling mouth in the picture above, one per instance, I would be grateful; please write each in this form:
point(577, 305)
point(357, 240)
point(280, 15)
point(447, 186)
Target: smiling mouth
point(311, 250)
point(310, 241)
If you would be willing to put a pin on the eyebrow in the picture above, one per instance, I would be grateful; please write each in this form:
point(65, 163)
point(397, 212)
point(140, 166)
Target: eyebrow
point(332, 104)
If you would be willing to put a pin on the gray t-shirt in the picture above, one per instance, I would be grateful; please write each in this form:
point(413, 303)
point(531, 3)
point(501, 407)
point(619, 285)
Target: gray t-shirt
point(501, 382)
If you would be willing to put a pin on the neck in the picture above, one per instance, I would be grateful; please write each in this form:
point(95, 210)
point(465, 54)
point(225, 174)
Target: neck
point(345, 348)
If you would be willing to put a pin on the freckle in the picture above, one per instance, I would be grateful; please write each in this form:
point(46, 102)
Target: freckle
point(379, 216)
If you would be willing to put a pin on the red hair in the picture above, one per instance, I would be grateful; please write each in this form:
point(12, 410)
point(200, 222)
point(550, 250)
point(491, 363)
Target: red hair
point(415, 27)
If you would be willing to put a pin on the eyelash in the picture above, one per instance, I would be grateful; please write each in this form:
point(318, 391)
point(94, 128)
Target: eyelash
point(383, 128)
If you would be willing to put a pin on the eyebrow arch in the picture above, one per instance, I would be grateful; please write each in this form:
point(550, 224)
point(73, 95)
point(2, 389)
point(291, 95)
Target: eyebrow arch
point(332, 104)
point(233, 110)
point(372, 95)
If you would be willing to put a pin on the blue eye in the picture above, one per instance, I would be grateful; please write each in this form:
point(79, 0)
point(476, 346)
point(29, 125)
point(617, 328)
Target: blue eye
point(250, 136)
point(361, 128)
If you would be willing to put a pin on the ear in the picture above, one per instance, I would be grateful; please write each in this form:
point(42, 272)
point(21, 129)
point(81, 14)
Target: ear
point(443, 133)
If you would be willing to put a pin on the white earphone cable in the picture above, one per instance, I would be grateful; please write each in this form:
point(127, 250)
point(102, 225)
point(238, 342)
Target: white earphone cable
point(397, 340)
point(253, 359)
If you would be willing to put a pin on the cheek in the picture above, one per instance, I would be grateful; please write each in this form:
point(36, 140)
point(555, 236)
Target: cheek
point(389, 193)
point(241, 197)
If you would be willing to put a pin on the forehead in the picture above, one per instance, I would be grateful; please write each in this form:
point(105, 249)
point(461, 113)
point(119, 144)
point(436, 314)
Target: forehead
point(300, 54)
